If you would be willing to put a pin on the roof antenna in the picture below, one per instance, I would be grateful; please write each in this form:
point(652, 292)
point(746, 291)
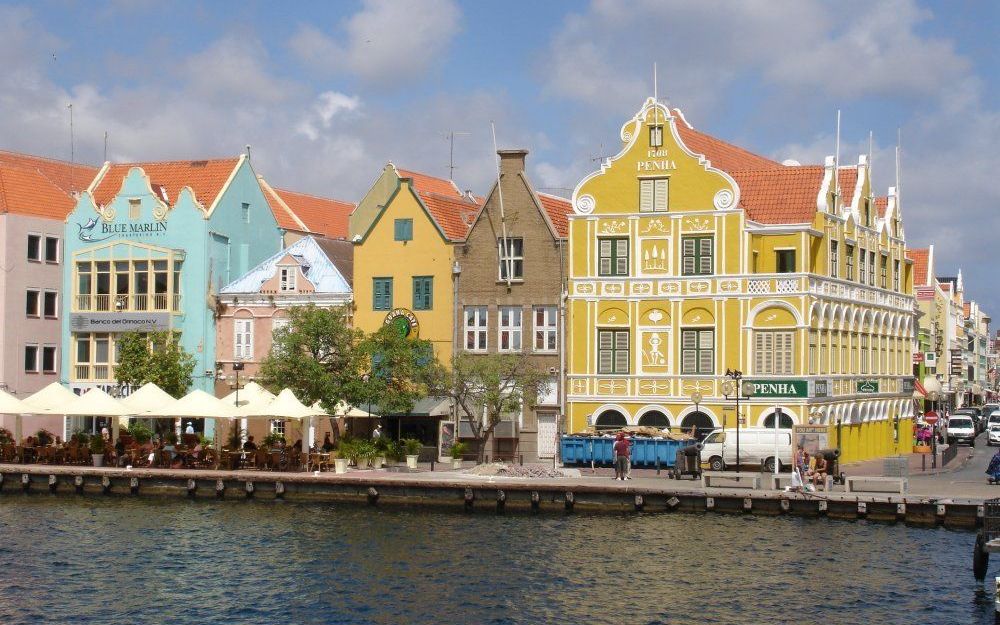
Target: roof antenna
point(72, 149)
point(898, 150)
point(871, 193)
point(248, 151)
point(451, 153)
point(506, 253)
point(836, 169)
point(105, 146)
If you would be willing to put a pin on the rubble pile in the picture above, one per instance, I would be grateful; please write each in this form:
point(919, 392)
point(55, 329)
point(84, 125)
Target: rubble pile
point(499, 469)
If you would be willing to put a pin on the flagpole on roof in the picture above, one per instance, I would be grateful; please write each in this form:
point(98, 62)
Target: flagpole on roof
point(836, 168)
point(506, 255)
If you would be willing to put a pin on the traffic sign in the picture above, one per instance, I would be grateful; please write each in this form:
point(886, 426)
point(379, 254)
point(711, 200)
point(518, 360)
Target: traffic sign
point(931, 417)
point(918, 357)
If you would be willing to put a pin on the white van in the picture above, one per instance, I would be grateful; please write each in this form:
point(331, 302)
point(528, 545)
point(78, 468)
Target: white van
point(756, 448)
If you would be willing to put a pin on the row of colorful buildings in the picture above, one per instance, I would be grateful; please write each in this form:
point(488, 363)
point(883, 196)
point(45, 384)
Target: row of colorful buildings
point(683, 263)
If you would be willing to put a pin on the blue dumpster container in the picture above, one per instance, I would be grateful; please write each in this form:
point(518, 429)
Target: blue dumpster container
point(582, 450)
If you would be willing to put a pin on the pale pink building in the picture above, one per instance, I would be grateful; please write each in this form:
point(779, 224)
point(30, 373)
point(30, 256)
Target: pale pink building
point(36, 194)
point(313, 270)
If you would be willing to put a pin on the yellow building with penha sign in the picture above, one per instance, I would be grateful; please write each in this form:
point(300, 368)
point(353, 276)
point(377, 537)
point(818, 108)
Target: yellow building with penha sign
point(691, 259)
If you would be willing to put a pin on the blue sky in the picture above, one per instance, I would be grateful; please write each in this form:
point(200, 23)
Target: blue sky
point(326, 92)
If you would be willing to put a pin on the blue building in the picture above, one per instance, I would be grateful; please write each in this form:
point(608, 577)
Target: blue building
point(147, 248)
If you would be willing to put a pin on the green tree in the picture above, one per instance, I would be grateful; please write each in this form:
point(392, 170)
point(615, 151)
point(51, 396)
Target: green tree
point(486, 387)
point(398, 371)
point(158, 358)
point(317, 356)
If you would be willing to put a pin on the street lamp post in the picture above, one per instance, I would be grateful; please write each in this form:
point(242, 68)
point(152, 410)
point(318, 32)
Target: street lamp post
point(735, 386)
point(696, 398)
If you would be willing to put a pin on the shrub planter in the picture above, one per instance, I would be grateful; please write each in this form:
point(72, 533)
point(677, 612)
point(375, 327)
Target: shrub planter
point(456, 463)
point(379, 462)
point(411, 461)
point(340, 465)
point(98, 460)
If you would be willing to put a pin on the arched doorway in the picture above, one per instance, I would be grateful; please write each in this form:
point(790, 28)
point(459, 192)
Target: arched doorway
point(610, 420)
point(654, 419)
point(786, 421)
point(700, 421)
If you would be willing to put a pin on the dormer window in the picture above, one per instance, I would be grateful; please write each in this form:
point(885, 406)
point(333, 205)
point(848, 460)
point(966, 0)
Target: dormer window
point(287, 279)
point(656, 136)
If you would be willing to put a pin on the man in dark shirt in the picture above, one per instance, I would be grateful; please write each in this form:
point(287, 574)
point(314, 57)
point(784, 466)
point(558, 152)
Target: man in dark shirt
point(622, 457)
point(250, 445)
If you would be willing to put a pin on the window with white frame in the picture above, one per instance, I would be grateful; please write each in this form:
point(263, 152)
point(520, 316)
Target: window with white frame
point(243, 340)
point(278, 426)
point(773, 352)
point(134, 209)
point(512, 258)
point(476, 319)
point(52, 250)
point(31, 358)
point(814, 351)
point(278, 323)
point(613, 351)
point(653, 194)
point(834, 258)
point(510, 329)
point(49, 359)
point(864, 353)
point(698, 351)
point(546, 326)
point(286, 278)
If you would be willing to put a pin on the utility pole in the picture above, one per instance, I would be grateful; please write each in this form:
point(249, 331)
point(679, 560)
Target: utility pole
point(72, 149)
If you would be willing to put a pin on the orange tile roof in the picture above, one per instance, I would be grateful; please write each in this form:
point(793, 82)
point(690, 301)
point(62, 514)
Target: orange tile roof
point(882, 205)
point(847, 179)
point(451, 213)
point(558, 210)
point(431, 184)
point(29, 192)
point(780, 195)
point(723, 155)
point(921, 259)
point(967, 308)
point(324, 216)
point(206, 178)
point(68, 177)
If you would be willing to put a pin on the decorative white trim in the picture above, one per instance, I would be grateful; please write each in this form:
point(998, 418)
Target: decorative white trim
point(773, 303)
point(585, 204)
point(606, 407)
point(655, 408)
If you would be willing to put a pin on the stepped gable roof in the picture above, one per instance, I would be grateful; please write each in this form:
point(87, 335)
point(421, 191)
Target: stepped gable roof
point(309, 213)
point(780, 195)
point(558, 210)
point(921, 260)
point(431, 184)
point(452, 214)
point(205, 177)
point(723, 155)
point(67, 177)
point(29, 192)
point(318, 268)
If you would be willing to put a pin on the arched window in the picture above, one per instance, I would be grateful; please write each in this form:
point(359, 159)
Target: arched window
point(610, 420)
point(786, 421)
point(654, 419)
point(700, 421)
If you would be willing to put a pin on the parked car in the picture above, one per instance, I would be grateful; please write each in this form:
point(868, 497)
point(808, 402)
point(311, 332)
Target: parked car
point(992, 417)
point(961, 429)
point(977, 419)
point(993, 434)
point(757, 447)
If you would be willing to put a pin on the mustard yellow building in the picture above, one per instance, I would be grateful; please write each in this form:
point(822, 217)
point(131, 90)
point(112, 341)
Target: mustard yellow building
point(405, 231)
point(690, 257)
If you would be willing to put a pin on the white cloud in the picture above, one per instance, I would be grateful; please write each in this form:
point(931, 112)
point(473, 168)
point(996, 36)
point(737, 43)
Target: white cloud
point(384, 43)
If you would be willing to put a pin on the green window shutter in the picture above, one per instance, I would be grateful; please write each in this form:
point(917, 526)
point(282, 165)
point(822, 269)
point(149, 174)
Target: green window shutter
point(612, 257)
point(403, 229)
point(423, 293)
point(382, 294)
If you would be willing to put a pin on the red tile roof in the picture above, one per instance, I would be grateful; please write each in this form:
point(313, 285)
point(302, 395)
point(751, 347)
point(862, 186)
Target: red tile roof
point(558, 210)
point(967, 308)
point(847, 179)
point(319, 215)
point(921, 260)
point(430, 184)
point(206, 178)
point(724, 156)
point(29, 192)
point(882, 205)
point(780, 195)
point(451, 213)
point(68, 177)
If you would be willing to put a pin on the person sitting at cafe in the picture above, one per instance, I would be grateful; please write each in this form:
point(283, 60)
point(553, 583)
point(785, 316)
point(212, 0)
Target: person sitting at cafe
point(819, 470)
point(327, 443)
point(250, 445)
point(297, 446)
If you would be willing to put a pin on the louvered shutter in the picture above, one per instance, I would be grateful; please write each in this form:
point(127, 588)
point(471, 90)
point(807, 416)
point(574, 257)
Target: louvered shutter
point(621, 352)
point(646, 195)
point(605, 343)
point(621, 257)
point(660, 195)
point(705, 256)
point(689, 351)
point(688, 252)
point(758, 348)
point(706, 351)
point(605, 257)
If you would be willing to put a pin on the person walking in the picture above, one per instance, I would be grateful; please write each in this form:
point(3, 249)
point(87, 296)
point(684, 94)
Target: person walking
point(622, 449)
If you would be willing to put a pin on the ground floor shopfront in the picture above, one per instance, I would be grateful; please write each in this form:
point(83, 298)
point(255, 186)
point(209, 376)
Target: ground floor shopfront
point(862, 421)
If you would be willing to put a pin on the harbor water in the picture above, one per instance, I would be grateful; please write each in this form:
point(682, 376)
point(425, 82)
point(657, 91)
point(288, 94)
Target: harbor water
point(74, 560)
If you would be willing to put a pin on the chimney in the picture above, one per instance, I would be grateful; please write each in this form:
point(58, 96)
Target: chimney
point(512, 161)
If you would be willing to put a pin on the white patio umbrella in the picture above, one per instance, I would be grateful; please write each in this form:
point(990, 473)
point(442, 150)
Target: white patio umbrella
point(96, 403)
point(287, 406)
point(148, 397)
point(12, 405)
point(197, 405)
point(48, 400)
point(251, 396)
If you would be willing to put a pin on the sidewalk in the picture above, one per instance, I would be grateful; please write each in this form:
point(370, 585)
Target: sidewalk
point(918, 464)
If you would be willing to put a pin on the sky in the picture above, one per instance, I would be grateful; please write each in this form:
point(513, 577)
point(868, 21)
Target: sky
point(326, 93)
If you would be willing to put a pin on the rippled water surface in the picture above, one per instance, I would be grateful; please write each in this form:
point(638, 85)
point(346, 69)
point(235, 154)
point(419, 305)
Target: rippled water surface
point(116, 560)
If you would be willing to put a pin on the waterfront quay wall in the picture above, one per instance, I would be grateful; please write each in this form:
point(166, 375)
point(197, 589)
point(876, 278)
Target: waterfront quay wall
point(474, 493)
